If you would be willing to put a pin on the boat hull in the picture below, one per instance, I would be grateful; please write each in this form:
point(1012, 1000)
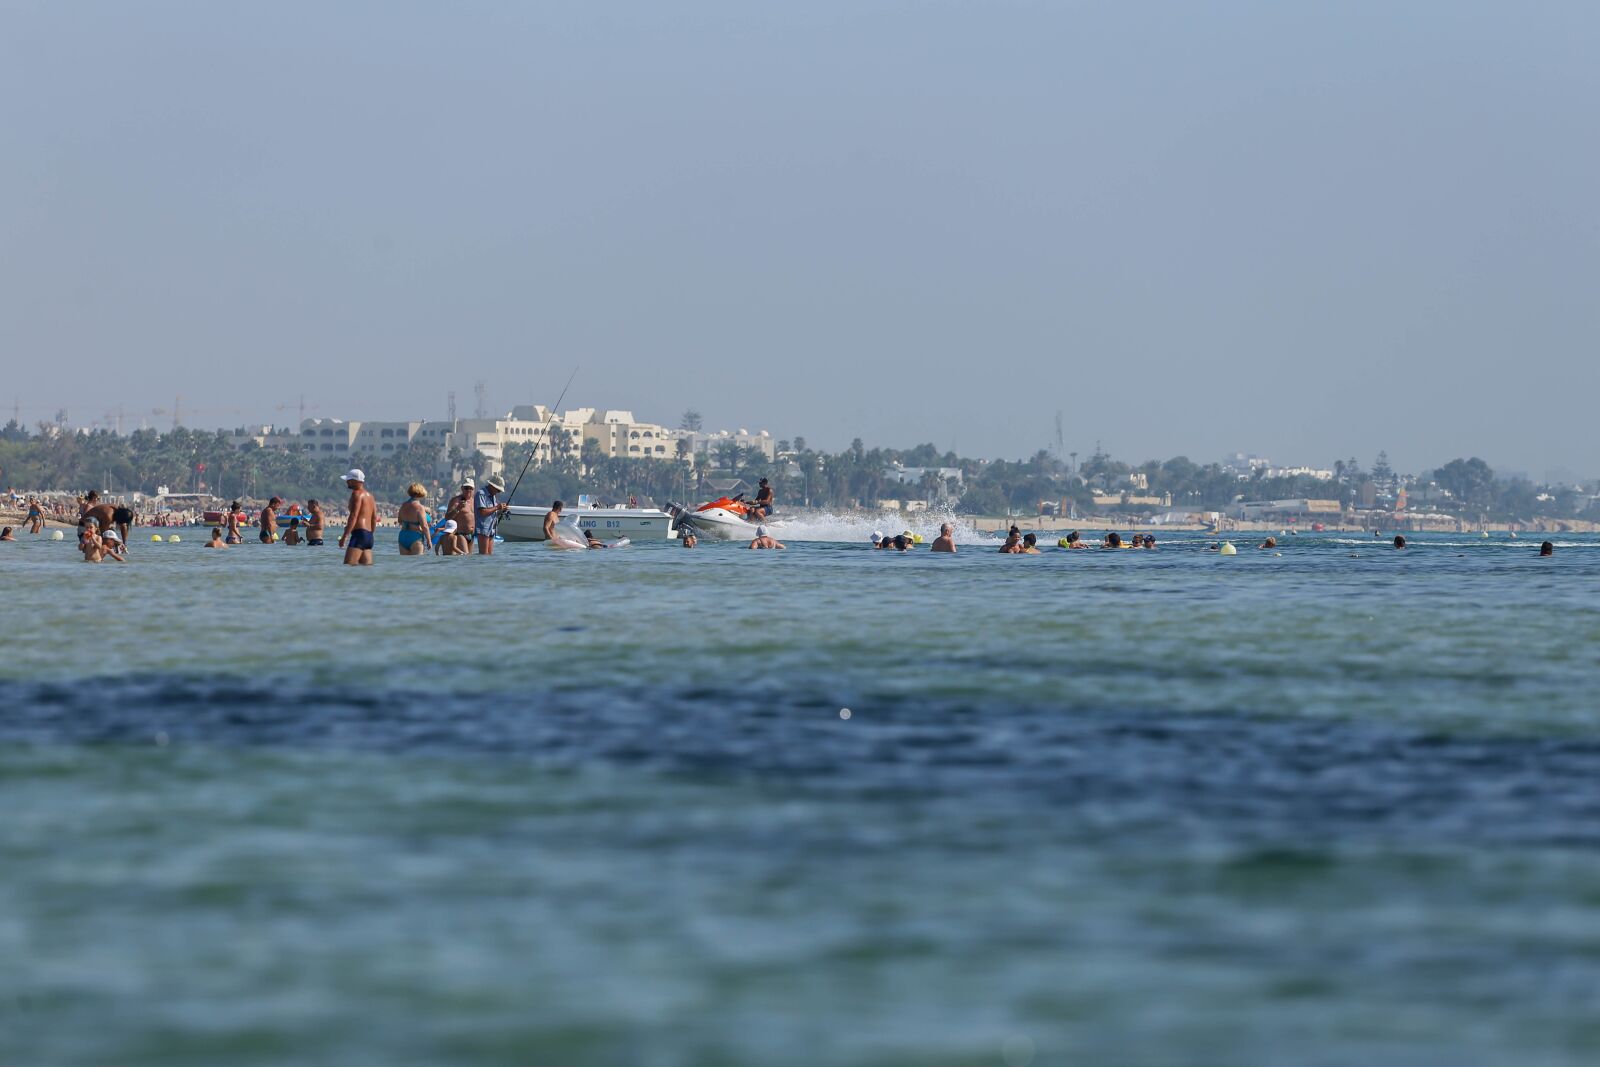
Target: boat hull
point(609, 524)
point(718, 524)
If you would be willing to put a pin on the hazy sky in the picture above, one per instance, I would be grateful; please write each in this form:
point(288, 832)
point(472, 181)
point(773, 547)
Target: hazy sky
point(1301, 230)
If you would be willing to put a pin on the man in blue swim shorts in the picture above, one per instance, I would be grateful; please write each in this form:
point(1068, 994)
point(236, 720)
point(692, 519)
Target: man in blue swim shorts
point(357, 537)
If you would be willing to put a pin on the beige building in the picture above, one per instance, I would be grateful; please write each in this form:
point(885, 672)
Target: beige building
point(620, 436)
point(704, 445)
point(617, 433)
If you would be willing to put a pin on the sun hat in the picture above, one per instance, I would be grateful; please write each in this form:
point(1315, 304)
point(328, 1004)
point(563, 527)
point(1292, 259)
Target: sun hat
point(761, 531)
point(468, 483)
point(448, 527)
point(111, 535)
point(355, 474)
point(495, 482)
point(877, 535)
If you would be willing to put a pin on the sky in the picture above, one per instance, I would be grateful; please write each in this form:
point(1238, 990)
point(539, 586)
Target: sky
point(1301, 230)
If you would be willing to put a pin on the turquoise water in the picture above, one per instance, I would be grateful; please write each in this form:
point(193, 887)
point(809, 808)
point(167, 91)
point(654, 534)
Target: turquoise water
point(1336, 806)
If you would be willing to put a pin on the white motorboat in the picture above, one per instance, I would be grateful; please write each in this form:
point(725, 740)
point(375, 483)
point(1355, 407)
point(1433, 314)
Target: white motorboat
point(522, 523)
point(720, 520)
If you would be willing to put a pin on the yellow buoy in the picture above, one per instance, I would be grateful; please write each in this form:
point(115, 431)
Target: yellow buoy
point(916, 539)
point(155, 538)
point(1227, 549)
point(174, 539)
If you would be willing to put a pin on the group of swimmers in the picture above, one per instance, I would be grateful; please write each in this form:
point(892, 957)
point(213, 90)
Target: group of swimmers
point(100, 544)
point(103, 527)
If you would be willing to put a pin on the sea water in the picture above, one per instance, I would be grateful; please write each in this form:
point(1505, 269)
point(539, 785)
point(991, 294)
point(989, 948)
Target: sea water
point(824, 806)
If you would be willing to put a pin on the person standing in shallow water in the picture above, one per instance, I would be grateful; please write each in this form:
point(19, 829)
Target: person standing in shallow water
point(946, 541)
point(414, 521)
point(316, 524)
point(1399, 541)
point(487, 512)
point(362, 523)
point(269, 521)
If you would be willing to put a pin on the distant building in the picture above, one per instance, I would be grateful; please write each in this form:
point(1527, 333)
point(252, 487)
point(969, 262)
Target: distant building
point(706, 444)
point(914, 475)
point(265, 437)
point(620, 436)
point(1245, 465)
point(1279, 510)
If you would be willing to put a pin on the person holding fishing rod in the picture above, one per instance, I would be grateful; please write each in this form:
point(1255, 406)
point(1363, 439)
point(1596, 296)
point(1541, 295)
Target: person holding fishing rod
point(544, 435)
point(488, 511)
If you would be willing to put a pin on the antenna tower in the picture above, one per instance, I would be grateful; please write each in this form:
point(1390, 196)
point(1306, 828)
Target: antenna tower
point(450, 409)
point(479, 411)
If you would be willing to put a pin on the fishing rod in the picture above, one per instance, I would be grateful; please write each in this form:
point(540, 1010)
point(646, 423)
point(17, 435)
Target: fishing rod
point(544, 432)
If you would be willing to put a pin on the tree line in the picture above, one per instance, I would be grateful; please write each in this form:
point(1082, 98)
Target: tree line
point(190, 460)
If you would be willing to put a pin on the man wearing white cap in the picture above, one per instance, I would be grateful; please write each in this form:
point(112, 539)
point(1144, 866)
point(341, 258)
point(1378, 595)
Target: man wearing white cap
point(362, 523)
point(765, 540)
point(488, 513)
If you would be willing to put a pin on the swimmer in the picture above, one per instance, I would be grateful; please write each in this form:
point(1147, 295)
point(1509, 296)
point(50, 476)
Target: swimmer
point(946, 541)
point(877, 539)
point(112, 546)
point(901, 543)
point(689, 539)
point(1545, 549)
point(765, 540)
point(413, 518)
point(1013, 545)
point(5, 535)
point(592, 541)
point(1030, 545)
point(362, 522)
point(552, 517)
point(1074, 540)
point(315, 524)
point(269, 521)
point(1271, 542)
point(450, 543)
point(216, 539)
point(1113, 540)
point(1150, 542)
point(291, 536)
point(1399, 541)
point(234, 537)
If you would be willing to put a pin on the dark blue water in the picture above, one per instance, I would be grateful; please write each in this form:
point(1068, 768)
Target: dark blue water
point(1337, 805)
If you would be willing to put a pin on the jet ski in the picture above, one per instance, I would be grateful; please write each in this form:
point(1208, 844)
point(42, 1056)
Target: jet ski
point(727, 518)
